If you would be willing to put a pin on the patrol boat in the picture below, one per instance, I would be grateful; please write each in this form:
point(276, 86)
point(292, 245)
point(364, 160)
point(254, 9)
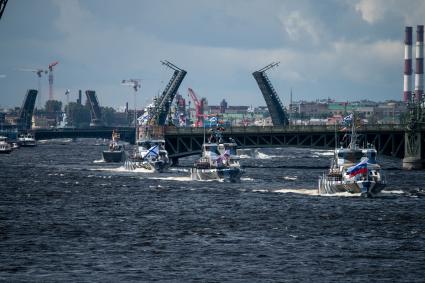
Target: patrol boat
point(26, 140)
point(150, 152)
point(115, 152)
point(5, 147)
point(218, 160)
point(353, 169)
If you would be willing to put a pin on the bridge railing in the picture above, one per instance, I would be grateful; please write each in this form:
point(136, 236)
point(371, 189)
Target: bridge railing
point(284, 129)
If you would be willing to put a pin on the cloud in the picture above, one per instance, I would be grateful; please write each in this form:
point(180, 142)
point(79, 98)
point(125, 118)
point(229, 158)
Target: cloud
point(219, 70)
point(298, 27)
point(367, 63)
point(373, 11)
point(348, 44)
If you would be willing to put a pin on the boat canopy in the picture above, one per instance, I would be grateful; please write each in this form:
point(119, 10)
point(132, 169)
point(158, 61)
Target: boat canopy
point(355, 156)
point(210, 148)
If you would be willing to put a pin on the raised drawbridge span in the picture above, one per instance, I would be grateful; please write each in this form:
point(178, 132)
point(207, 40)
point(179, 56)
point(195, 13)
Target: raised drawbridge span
point(274, 104)
point(163, 103)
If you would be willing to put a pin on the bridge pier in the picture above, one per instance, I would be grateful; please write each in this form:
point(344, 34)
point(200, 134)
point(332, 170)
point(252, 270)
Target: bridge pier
point(413, 151)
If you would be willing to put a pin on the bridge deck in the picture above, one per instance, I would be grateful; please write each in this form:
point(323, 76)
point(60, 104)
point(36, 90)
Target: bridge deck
point(180, 142)
point(388, 139)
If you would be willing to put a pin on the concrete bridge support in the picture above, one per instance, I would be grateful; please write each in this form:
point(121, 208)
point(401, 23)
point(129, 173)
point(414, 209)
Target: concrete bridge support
point(413, 152)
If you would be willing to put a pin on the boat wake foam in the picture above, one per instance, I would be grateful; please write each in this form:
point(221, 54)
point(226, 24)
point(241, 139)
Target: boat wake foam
point(171, 178)
point(123, 169)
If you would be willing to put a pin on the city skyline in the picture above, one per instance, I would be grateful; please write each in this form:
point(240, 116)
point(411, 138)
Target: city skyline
point(346, 50)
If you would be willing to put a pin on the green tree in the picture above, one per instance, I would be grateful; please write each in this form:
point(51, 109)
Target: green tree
point(78, 115)
point(108, 115)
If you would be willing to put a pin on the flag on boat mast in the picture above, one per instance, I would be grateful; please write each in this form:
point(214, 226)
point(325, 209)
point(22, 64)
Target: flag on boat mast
point(360, 168)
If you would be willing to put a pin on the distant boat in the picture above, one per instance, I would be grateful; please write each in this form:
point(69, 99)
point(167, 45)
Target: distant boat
point(218, 160)
point(5, 147)
point(115, 152)
point(150, 152)
point(26, 140)
point(353, 169)
point(15, 145)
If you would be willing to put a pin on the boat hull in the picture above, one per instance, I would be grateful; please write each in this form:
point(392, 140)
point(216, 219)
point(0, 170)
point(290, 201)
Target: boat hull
point(113, 156)
point(226, 174)
point(5, 151)
point(27, 143)
point(158, 166)
point(365, 187)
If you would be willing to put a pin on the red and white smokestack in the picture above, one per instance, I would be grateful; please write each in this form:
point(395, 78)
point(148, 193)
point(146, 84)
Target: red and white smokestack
point(407, 64)
point(419, 71)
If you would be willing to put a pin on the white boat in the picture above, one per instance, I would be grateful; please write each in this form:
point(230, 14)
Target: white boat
point(115, 152)
point(5, 147)
point(353, 169)
point(218, 160)
point(15, 145)
point(26, 140)
point(149, 152)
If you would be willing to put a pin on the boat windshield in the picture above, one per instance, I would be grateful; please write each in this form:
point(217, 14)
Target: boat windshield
point(351, 156)
point(231, 148)
point(370, 154)
point(211, 148)
point(145, 144)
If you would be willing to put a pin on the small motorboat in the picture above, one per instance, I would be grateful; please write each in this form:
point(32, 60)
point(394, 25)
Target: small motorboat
point(218, 160)
point(26, 140)
point(115, 152)
point(5, 147)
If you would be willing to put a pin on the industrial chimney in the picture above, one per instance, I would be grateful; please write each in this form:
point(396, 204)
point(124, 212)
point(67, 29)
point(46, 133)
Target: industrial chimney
point(79, 98)
point(419, 71)
point(408, 65)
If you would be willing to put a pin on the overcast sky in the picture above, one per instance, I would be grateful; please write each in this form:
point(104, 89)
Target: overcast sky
point(342, 49)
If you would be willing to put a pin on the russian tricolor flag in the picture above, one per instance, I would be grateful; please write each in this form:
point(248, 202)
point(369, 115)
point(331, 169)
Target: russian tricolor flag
point(360, 168)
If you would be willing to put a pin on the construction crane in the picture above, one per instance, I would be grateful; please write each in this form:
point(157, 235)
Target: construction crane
point(39, 72)
point(2, 6)
point(51, 65)
point(199, 119)
point(135, 84)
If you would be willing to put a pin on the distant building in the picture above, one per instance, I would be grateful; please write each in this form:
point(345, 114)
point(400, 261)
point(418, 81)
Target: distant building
point(223, 106)
point(340, 108)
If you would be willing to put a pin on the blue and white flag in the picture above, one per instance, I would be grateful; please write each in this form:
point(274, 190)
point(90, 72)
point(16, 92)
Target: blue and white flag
point(143, 119)
point(348, 119)
point(153, 151)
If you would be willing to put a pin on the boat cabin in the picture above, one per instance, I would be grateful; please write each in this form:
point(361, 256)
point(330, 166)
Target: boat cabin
point(210, 150)
point(147, 144)
point(230, 146)
point(350, 156)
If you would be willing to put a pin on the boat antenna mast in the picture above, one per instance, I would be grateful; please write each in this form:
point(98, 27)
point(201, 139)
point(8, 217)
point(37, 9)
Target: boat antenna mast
point(135, 84)
point(353, 141)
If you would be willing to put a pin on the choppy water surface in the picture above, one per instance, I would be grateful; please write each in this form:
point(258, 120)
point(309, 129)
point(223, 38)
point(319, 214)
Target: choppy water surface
point(64, 215)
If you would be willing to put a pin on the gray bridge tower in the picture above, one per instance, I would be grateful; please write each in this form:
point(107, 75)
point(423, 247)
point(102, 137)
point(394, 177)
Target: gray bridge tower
point(2, 7)
point(95, 112)
point(274, 104)
point(27, 110)
point(163, 103)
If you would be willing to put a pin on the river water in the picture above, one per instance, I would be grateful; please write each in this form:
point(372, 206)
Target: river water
point(67, 216)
